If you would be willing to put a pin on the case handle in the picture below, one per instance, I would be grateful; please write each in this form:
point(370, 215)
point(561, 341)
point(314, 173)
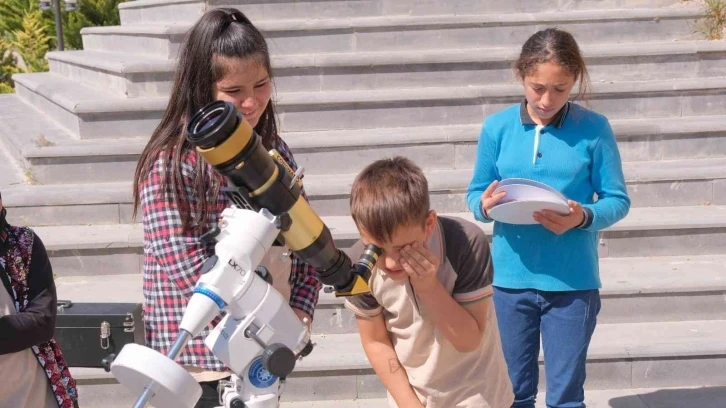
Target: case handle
point(63, 304)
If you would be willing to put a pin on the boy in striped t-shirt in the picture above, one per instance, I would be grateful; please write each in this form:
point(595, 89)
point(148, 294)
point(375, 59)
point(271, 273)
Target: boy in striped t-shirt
point(428, 325)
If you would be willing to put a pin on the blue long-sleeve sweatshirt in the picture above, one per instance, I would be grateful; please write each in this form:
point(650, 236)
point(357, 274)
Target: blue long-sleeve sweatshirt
point(577, 155)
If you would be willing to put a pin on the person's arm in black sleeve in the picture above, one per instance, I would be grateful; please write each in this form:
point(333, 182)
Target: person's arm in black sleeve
point(36, 324)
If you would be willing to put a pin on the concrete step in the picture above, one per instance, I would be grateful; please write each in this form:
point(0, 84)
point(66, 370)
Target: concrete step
point(49, 154)
point(486, 28)
point(12, 174)
point(706, 397)
point(16, 134)
point(157, 11)
point(53, 156)
point(356, 403)
point(154, 11)
point(69, 204)
point(134, 75)
point(668, 183)
point(91, 113)
point(621, 357)
point(650, 184)
point(660, 231)
point(661, 289)
point(87, 112)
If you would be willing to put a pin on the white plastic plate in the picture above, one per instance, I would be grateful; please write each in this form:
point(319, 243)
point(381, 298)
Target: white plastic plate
point(525, 192)
point(531, 183)
point(521, 212)
point(137, 366)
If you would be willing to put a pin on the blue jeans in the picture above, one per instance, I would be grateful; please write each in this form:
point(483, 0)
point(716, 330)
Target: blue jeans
point(566, 321)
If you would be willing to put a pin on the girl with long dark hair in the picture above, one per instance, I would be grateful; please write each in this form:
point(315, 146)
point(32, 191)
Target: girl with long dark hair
point(223, 57)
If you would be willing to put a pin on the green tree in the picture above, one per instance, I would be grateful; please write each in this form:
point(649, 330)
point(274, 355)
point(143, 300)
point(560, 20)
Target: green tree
point(26, 33)
point(32, 42)
point(91, 13)
point(11, 15)
point(24, 49)
point(8, 67)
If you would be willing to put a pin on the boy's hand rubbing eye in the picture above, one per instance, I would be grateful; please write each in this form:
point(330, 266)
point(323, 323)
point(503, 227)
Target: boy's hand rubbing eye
point(421, 265)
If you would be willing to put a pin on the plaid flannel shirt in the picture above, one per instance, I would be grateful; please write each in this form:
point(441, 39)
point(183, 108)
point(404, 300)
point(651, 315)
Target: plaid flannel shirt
point(173, 258)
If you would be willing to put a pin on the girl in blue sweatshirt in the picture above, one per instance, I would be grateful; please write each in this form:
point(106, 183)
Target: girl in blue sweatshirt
point(546, 277)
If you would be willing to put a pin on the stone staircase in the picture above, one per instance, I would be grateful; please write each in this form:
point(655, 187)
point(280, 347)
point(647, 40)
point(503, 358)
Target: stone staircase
point(359, 80)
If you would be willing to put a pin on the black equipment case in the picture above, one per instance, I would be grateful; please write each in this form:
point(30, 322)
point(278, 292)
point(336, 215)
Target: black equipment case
point(89, 333)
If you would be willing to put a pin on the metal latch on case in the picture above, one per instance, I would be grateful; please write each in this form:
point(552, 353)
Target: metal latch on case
point(105, 334)
point(129, 323)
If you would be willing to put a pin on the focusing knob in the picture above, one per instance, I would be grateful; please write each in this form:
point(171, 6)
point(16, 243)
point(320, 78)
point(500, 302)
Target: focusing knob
point(264, 273)
point(284, 222)
point(278, 360)
point(307, 350)
point(210, 236)
point(106, 362)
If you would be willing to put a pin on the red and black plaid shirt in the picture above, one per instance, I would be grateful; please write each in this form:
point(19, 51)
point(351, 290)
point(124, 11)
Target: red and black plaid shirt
point(173, 258)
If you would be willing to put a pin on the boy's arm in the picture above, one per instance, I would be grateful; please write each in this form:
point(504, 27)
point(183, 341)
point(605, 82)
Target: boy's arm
point(462, 324)
point(462, 315)
point(383, 358)
point(379, 350)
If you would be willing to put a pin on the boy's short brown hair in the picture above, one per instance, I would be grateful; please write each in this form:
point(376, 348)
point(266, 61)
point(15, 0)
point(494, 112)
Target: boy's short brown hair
point(388, 194)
